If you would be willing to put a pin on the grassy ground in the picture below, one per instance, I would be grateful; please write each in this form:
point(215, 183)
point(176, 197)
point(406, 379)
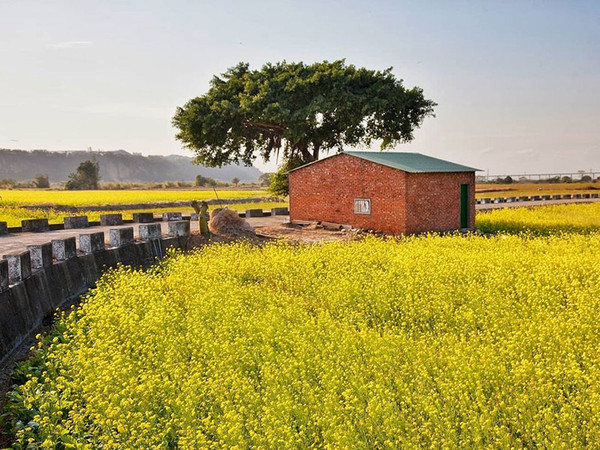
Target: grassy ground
point(83, 198)
point(14, 215)
point(519, 189)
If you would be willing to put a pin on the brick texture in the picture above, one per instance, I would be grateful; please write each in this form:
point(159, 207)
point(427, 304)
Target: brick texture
point(401, 202)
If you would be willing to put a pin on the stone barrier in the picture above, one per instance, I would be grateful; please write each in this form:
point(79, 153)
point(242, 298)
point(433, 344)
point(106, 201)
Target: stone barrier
point(254, 213)
point(35, 225)
point(179, 229)
point(143, 217)
point(19, 266)
point(76, 222)
point(64, 249)
point(91, 242)
point(120, 237)
point(280, 211)
point(110, 220)
point(41, 256)
point(27, 298)
point(171, 216)
point(3, 275)
point(3, 228)
point(149, 231)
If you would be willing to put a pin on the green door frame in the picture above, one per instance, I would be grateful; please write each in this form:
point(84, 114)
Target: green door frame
point(464, 206)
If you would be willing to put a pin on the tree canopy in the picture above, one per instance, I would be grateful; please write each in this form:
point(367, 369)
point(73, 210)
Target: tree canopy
point(298, 111)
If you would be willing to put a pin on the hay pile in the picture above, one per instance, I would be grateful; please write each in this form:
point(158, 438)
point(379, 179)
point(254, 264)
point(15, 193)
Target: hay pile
point(227, 222)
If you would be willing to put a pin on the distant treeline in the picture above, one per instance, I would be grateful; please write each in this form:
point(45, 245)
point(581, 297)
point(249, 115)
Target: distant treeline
point(115, 167)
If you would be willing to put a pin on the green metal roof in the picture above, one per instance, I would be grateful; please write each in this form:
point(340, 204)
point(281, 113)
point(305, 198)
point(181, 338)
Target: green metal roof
point(408, 162)
point(412, 162)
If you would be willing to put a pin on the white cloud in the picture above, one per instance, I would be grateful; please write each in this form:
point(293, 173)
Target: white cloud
point(70, 44)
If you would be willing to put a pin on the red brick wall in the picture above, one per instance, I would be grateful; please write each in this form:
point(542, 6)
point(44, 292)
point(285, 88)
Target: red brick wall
point(433, 201)
point(400, 202)
point(326, 191)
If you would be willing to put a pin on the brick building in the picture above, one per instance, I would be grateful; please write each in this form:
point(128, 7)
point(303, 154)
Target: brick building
point(386, 191)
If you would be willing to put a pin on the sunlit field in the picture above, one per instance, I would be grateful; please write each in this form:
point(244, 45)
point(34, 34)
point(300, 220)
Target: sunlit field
point(492, 190)
point(13, 215)
point(15, 197)
point(420, 342)
point(543, 220)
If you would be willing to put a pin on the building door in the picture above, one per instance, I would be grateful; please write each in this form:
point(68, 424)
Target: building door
point(464, 205)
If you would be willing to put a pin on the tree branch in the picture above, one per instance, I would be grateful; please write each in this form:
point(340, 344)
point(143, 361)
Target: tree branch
point(271, 127)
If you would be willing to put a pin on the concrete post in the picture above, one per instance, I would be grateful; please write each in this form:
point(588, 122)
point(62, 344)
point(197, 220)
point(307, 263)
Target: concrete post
point(143, 217)
point(41, 256)
point(3, 228)
point(171, 216)
point(108, 220)
point(280, 211)
point(19, 266)
point(35, 225)
point(3, 275)
point(76, 222)
point(149, 231)
point(63, 249)
point(120, 237)
point(254, 213)
point(91, 242)
point(180, 228)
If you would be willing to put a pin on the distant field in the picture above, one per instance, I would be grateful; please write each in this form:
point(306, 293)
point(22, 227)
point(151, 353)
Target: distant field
point(518, 189)
point(542, 220)
point(13, 215)
point(82, 198)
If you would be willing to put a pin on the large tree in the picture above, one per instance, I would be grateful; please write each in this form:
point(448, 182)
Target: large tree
point(87, 176)
point(298, 110)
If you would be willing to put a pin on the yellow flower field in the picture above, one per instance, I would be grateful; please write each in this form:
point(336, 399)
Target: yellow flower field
point(440, 342)
point(10, 197)
point(541, 220)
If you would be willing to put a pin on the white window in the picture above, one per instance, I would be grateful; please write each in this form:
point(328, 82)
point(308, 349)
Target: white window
point(362, 206)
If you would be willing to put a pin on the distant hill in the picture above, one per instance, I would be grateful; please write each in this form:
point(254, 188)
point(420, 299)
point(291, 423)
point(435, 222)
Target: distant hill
point(115, 166)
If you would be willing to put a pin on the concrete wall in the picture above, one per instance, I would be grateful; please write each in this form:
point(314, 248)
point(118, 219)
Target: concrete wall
point(25, 304)
point(326, 191)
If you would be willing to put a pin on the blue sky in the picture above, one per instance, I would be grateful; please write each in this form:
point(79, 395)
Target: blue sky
point(517, 82)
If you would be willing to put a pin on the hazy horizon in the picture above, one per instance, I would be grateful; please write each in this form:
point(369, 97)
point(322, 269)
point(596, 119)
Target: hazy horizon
point(517, 83)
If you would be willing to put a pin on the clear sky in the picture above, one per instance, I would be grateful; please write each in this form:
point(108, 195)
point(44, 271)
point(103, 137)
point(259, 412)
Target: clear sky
point(517, 82)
